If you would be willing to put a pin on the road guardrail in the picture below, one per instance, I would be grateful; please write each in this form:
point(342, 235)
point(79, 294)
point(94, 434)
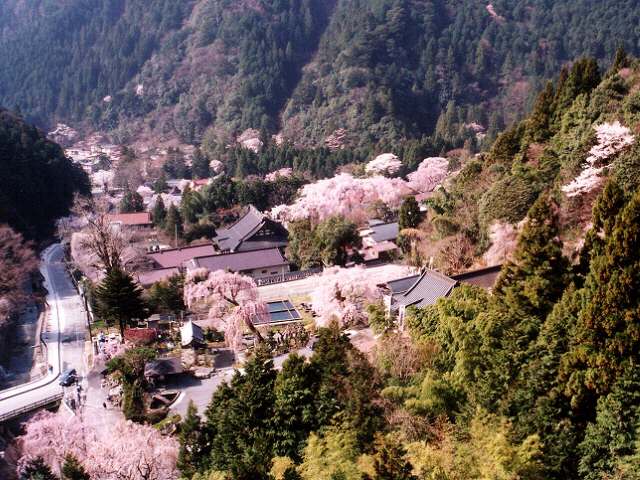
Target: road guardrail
point(30, 407)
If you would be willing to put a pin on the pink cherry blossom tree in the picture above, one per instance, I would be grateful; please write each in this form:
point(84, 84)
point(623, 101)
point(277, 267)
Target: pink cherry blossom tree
point(385, 164)
point(343, 195)
point(351, 197)
point(504, 238)
point(430, 173)
point(283, 172)
point(343, 294)
point(232, 301)
point(216, 166)
point(612, 139)
point(120, 451)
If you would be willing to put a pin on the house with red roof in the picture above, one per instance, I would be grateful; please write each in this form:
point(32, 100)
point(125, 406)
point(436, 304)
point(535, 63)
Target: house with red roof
point(140, 220)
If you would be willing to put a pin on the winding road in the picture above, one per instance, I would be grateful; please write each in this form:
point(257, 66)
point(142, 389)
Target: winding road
point(63, 332)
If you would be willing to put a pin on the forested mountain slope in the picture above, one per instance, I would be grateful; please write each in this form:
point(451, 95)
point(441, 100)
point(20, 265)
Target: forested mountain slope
point(37, 181)
point(581, 130)
point(382, 69)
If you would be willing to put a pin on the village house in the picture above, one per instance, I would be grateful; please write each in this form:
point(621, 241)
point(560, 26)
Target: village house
point(254, 263)
point(191, 335)
point(177, 257)
point(161, 368)
point(429, 286)
point(131, 221)
point(378, 240)
point(146, 279)
point(252, 231)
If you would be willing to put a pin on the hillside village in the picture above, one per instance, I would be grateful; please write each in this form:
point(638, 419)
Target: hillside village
point(354, 240)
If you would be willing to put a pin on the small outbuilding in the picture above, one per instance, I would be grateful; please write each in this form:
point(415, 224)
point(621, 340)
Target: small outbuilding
point(161, 368)
point(191, 335)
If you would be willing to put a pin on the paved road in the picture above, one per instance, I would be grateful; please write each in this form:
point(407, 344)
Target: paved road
point(377, 274)
point(64, 334)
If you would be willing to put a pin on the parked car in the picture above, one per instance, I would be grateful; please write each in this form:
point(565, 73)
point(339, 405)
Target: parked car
point(68, 377)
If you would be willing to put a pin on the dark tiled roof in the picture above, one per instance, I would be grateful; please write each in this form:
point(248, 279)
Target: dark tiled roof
point(426, 290)
point(402, 284)
point(240, 261)
point(176, 257)
point(163, 366)
point(230, 238)
point(241, 236)
point(385, 231)
point(273, 242)
point(484, 277)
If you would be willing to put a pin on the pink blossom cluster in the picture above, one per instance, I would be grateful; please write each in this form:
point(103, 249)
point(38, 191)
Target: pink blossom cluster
point(216, 166)
point(612, 139)
point(111, 347)
point(145, 192)
point(102, 178)
point(343, 294)
point(504, 237)
point(250, 139)
point(140, 451)
point(343, 195)
point(350, 197)
point(385, 164)
point(283, 172)
point(232, 300)
point(429, 174)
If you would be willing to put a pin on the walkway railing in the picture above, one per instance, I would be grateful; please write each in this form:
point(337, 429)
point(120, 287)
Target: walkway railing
point(287, 277)
point(30, 407)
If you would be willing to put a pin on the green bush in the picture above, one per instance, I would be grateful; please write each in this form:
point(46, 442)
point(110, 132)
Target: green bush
point(508, 199)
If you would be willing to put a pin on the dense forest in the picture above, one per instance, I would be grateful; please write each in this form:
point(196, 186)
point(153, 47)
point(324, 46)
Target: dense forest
point(37, 181)
point(383, 70)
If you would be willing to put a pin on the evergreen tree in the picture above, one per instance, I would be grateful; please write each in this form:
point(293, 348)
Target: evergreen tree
point(301, 249)
point(389, 460)
point(119, 299)
point(239, 421)
point(615, 430)
point(191, 205)
point(410, 215)
point(159, 213)
point(534, 279)
point(535, 401)
point(333, 238)
point(37, 469)
point(72, 469)
point(161, 185)
point(347, 388)
point(605, 211)
point(130, 367)
point(191, 456)
point(621, 60)
point(200, 165)
point(294, 416)
point(173, 223)
point(605, 343)
point(539, 121)
point(131, 202)
point(167, 296)
point(582, 79)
